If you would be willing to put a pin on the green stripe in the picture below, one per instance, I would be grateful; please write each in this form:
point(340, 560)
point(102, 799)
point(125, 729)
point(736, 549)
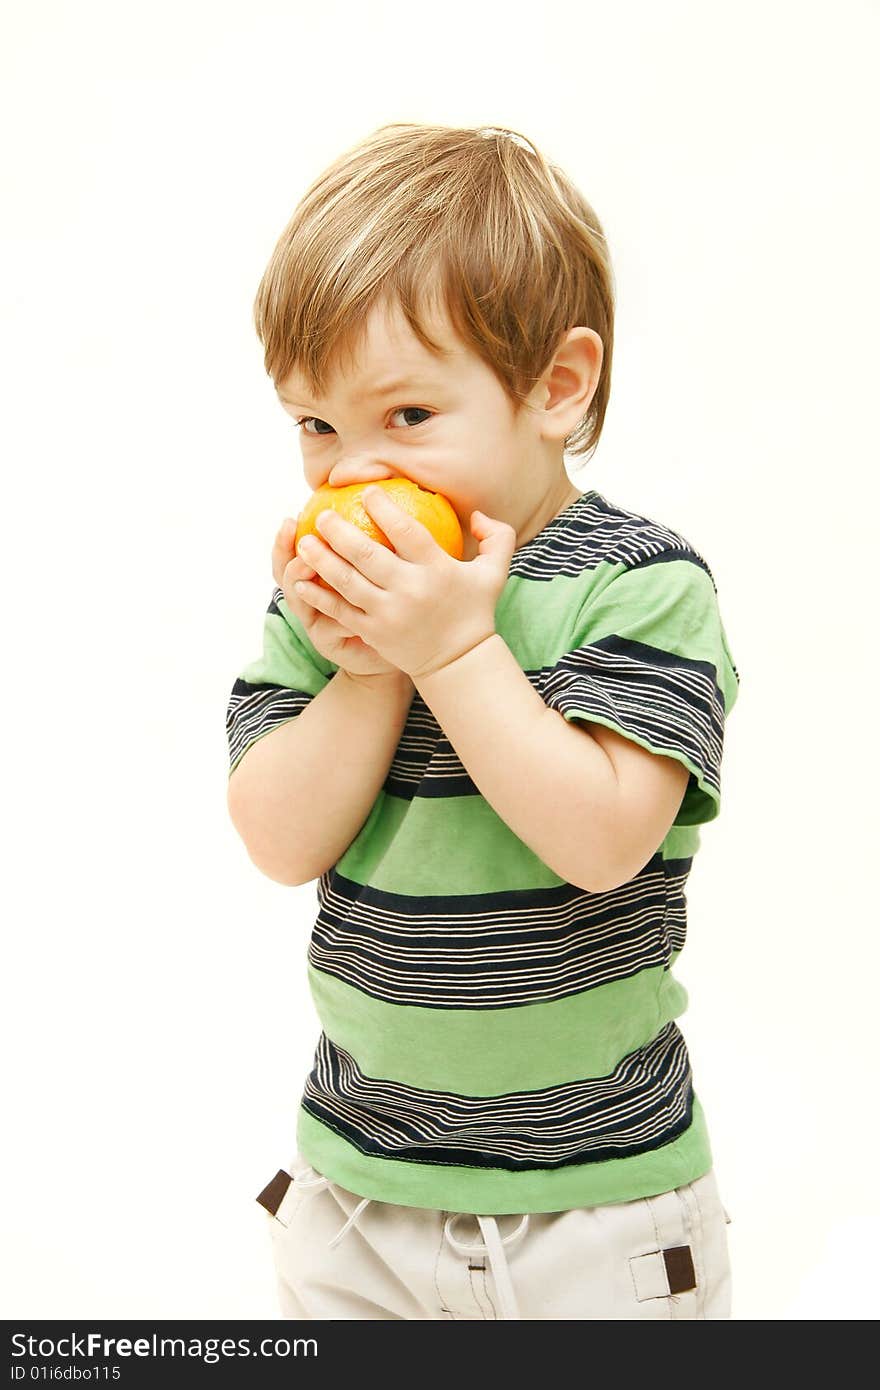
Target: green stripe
point(676, 599)
point(456, 845)
point(494, 1191)
point(452, 844)
point(488, 1052)
point(535, 616)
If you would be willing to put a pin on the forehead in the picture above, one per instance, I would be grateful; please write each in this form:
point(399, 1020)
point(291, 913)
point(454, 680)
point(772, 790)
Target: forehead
point(388, 355)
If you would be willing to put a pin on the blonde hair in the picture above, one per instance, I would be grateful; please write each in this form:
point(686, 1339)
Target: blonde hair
point(477, 216)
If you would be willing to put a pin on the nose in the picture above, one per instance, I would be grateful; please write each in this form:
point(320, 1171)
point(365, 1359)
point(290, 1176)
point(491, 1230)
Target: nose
point(350, 471)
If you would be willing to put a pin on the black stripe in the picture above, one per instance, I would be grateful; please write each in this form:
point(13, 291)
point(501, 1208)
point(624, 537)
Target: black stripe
point(593, 532)
point(253, 710)
point(645, 1103)
point(489, 950)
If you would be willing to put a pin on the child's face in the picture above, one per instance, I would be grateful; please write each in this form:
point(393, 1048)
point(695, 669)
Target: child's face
point(447, 426)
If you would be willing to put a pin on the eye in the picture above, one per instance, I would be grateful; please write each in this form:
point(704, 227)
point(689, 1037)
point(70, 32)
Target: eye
point(305, 420)
point(310, 420)
point(419, 410)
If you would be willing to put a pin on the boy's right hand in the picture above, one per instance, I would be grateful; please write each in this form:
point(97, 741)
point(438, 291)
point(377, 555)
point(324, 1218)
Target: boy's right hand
point(327, 636)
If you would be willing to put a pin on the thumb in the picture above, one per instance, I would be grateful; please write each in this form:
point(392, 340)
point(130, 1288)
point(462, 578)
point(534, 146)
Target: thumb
point(497, 539)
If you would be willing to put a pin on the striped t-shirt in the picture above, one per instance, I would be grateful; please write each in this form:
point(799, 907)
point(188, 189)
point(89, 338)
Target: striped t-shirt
point(495, 1039)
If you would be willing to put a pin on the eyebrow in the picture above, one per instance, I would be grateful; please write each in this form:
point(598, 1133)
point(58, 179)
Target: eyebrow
point(386, 388)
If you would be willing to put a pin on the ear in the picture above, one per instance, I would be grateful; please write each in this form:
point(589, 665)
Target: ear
point(568, 385)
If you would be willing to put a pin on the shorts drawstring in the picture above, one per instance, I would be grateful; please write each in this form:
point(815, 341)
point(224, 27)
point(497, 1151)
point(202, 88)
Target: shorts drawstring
point(319, 1182)
point(493, 1246)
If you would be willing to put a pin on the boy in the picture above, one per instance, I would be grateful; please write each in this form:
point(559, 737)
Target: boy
point(507, 759)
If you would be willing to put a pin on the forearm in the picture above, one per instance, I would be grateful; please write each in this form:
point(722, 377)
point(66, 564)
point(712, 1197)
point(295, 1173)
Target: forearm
point(547, 779)
point(301, 793)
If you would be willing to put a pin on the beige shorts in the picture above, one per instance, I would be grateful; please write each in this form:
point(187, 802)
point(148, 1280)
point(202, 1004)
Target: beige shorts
point(338, 1255)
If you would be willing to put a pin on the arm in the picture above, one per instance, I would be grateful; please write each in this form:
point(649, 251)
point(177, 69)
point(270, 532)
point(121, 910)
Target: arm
point(592, 809)
point(301, 793)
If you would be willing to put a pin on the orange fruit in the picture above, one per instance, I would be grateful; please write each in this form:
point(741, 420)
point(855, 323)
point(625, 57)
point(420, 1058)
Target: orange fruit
point(432, 509)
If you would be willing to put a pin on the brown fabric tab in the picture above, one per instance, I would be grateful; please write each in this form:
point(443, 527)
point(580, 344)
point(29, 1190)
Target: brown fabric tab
point(680, 1268)
point(272, 1194)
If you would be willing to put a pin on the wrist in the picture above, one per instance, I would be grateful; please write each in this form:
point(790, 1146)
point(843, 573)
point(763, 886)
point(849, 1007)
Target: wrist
point(386, 683)
point(455, 661)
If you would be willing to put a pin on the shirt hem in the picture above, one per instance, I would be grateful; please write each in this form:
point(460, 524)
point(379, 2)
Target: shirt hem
point(496, 1192)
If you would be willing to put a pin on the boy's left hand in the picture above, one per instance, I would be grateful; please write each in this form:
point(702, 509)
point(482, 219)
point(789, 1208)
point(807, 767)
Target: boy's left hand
point(418, 608)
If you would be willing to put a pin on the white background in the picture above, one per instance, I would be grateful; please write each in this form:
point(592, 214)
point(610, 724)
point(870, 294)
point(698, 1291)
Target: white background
point(158, 1029)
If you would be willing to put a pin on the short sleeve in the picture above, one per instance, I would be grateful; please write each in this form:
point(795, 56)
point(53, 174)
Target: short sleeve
point(650, 659)
point(278, 685)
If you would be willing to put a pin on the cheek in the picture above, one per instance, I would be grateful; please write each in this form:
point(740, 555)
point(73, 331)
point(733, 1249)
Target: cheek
point(314, 474)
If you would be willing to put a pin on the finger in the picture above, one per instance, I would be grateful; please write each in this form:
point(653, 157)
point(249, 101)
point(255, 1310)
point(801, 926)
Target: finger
point(333, 631)
point(497, 539)
point(294, 574)
point(332, 566)
point(293, 569)
point(284, 538)
point(411, 540)
point(283, 551)
point(368, 558)
point(332, 605)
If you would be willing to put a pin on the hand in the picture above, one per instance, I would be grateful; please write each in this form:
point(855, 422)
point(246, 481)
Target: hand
point(334, 642)
point(416, 606)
